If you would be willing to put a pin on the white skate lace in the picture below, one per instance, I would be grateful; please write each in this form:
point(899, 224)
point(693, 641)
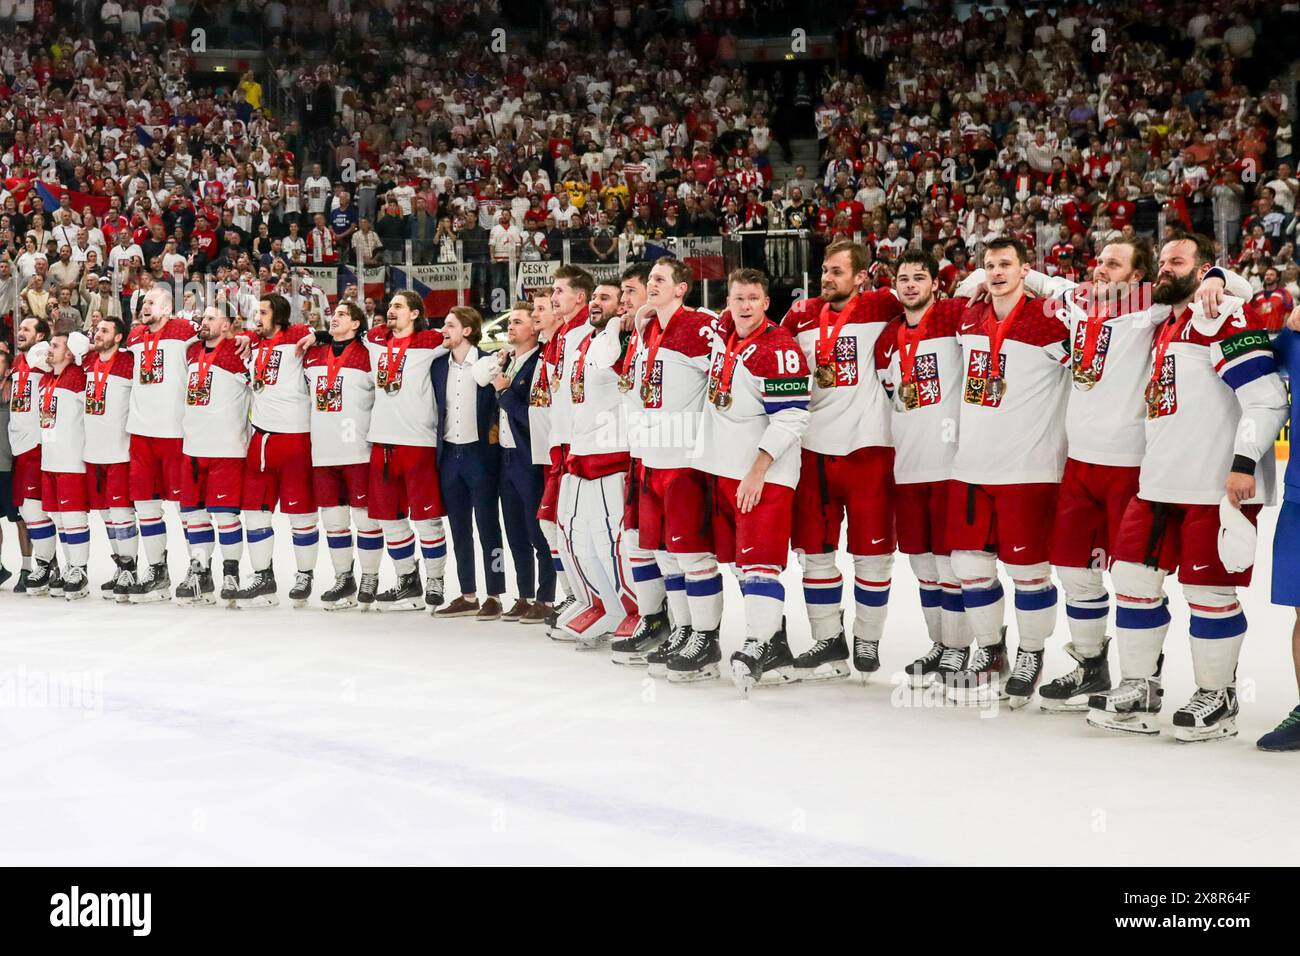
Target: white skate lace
point(952, 658)
point(1026, 664)
point(865, 648)
point(980, 660)
point(694, 646)
point(1204, 703)
point(1072, 679)
point(753, 649)
point(301, 580)
point(677, 639)
point(935, 653)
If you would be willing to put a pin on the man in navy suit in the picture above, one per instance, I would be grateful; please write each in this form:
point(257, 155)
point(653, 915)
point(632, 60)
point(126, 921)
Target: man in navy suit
point(469, 465)
point(510, 372)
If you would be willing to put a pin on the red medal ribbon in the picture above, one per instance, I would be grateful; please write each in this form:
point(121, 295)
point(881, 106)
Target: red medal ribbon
point(1172, 327)
point(732, 355)
point(99, 377)
point(395, 356)
point(335, 362)
point(998, 334)
point(1091, 333)
point(652, 348)
point(909, 340)
point(150, 351)
point(206, 358)
point(825, 343)
point(48, 384)
point(264, 349)
point(23, 374)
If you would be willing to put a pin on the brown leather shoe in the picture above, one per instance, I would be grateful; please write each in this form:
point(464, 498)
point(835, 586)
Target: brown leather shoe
point(491, 610)
point(458, 608)
point(537, 613)
point(517, 610)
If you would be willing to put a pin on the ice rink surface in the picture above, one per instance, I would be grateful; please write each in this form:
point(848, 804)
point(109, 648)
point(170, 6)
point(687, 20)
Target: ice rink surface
point(167, 735)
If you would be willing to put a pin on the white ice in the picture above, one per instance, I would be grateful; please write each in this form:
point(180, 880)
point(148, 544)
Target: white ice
point(165, 735)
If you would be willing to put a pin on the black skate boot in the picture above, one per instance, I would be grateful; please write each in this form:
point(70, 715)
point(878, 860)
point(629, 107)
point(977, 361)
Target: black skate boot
point(825, 660)
point(367, 591)
point(433, 593)
point(923, 671)
point(260, 592)
point(983, 678)
point(405, 595)
point(75, 584)
point(38, 582)
point(1209, 715)
point(108, 590)
point(697, 659)
point(56, 580)
point(20, 586)
point(1131, 707)
point(763, 662)
point(154, 584)
point(229, 582)
point(301, 589)
point(343, 594)
point(1025, 675)
point(659, 657)
point(652, 631)
point(866, 657)
point(553, 619)
point(125, 581)
point(190, 592)
point(1069, 693)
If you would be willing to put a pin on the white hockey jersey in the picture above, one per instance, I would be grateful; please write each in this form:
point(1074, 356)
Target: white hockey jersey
point(671, 374)
point(216, 402)
point(158, 392)
point(281, 403)
point(405, 412)
point(342, 391)
point(108, 402)
point(62, 418)
point(24, 416)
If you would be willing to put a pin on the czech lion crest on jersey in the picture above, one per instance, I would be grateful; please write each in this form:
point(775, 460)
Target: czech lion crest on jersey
point(152, 374)
point(977, 378)
point(198, 392)
point(21, 399)
point(329, 398)
point(390, 380)
point(1162, 395)
point(652, 389)
point(844, 359)
point(925, 382)
point(1092, 372)
point(94, 402)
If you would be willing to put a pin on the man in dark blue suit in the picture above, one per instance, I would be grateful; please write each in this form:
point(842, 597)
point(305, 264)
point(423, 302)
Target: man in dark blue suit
point(469, 465)
point(511, 373)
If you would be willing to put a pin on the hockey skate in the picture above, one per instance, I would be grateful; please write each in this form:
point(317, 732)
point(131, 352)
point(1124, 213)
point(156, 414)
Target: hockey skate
point(343, 594)
point(261, 591)
point(652, 630)
point(125, 581)
point(558, 611)
point(405, 595)
point(229, 583)
point(825, 660)
point(154, 584)
point(1209, 715)
point(367, 591)
point(1131, 707)
point(1069, 693)
point(1024, 678)
point(984, 676)
point(108, 590)
point(38, 582)
point(56, 580)
point(923, 671)
point(301, 589)
point(75, 584)
point(866, 657)
point(763, 663)
point(196, 590)
point(697, 660)
point(433, 593)
point(657, 659)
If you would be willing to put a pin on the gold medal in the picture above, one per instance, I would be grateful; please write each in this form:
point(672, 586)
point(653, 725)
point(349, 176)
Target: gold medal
point(997, 388)
point(554, 383)
point(825, 376)
point(908, 393)
point(1085, 378)
point(258, 385)
point(1153, 399)
point(392, 388)
point(625, 383)
point(722, 400)
point(646, 393)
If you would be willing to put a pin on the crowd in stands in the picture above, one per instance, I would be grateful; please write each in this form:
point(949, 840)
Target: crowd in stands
point(488, 130)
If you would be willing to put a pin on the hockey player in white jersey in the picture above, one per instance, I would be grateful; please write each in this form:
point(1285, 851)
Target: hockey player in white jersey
point(592, 489)
point(748, 446)
point(63, 466)
point(32, 338)
point(1215, 404)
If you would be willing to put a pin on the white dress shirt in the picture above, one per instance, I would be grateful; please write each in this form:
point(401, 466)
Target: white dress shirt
point(462, 400)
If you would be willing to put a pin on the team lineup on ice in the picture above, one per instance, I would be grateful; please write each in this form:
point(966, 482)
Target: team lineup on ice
point(1024, 421)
